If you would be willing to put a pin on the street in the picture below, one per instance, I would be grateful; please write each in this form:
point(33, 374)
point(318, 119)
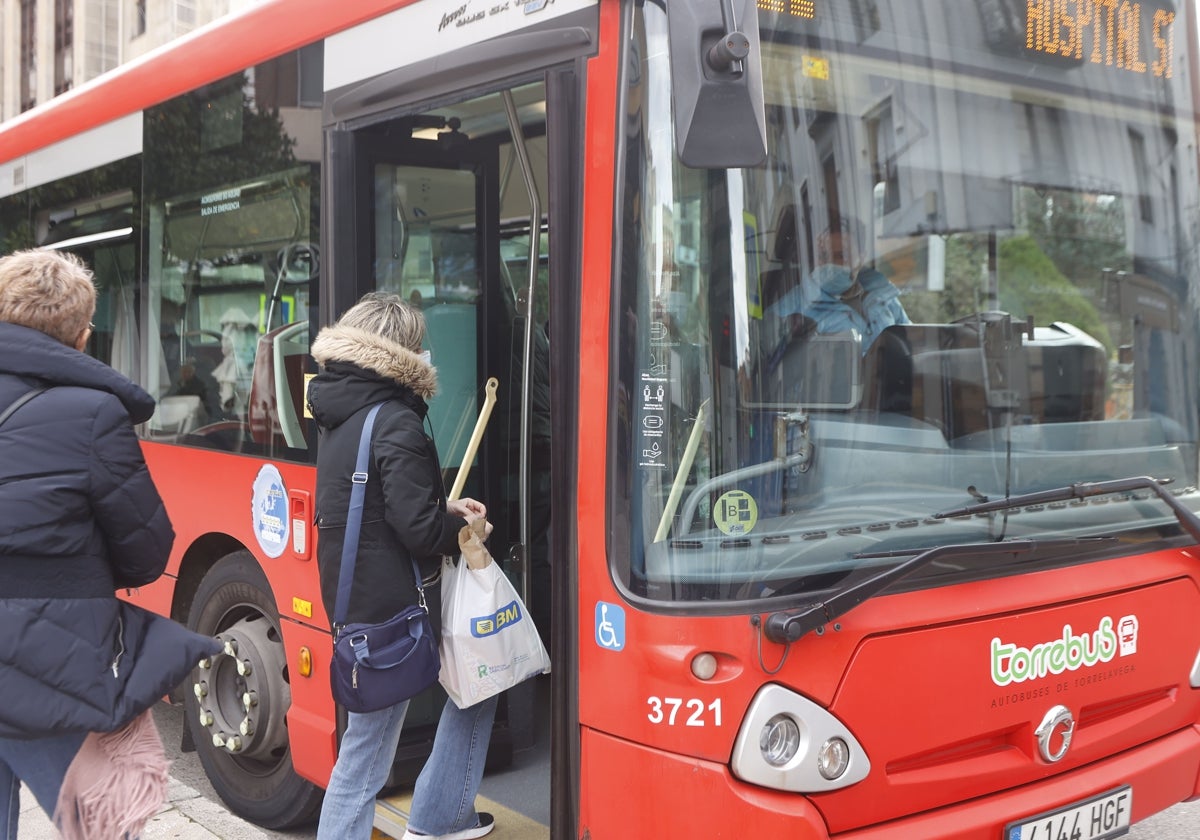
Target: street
point(1179, 823)
point(185, 767)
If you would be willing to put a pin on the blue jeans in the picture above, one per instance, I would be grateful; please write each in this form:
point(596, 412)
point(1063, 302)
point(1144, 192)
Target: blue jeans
point(444, 796)
point(41, 764)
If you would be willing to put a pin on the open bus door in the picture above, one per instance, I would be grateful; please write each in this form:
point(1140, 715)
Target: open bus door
point(449, 212)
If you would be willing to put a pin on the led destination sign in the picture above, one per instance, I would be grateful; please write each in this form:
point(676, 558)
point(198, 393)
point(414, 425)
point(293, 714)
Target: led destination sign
point(1108, 32)
point(1123, 34)
point(795, 8)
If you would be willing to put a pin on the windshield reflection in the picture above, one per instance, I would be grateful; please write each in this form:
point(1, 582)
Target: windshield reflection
point(962, 275)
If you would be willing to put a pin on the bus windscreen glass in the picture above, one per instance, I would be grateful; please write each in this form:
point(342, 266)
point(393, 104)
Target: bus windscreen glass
point(966, 271)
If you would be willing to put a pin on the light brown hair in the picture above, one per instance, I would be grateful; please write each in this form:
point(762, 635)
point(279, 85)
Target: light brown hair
point(48, 291)
point(390, 316)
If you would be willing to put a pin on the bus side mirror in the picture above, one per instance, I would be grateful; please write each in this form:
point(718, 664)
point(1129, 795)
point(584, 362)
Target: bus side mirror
point(716, 70)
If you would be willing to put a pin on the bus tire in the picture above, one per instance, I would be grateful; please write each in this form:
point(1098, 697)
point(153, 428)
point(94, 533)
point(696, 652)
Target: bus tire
point(237, 704)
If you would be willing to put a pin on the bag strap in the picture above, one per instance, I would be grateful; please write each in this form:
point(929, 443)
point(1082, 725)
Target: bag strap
point(20, 401)
point(358, 488)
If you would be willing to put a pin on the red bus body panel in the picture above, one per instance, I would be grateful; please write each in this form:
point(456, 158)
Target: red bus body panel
point(207, 492)
point(659, 793)
point(638, 800)
point(910, 675)
point(939, 731)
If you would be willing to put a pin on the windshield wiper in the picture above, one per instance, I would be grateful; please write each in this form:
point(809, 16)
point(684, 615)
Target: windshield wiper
point(1082, 490)
point(789, 625)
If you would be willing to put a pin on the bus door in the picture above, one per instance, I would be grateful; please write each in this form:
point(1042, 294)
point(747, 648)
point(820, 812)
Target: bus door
point(450, 214)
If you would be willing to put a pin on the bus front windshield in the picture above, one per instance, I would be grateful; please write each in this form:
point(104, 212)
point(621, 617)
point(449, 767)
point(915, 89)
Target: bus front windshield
point(966, 271)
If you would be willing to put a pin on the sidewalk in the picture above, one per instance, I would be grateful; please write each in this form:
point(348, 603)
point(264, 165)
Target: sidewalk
point(186, 815)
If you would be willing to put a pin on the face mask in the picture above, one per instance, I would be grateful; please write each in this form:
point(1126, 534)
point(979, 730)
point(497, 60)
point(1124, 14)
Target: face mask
point(426, 357)
point(832, 279)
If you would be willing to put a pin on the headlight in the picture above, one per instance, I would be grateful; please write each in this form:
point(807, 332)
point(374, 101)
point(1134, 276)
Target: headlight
point(833, 758)
point(779, 741)
point(788, 742)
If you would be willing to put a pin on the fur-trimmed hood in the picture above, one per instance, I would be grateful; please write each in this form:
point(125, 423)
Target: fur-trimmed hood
point(374, 352)
point(361, 368)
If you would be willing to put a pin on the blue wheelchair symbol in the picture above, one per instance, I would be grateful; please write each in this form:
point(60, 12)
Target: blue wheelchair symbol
point(610, 626)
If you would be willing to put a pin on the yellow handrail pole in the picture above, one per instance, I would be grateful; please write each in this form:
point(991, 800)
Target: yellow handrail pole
point(489, 400)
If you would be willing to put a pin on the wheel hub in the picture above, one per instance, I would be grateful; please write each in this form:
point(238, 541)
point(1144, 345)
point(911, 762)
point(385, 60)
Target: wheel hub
point(243, 694)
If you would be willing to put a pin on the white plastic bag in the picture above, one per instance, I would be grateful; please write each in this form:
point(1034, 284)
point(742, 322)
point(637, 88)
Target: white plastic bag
point(489, 642)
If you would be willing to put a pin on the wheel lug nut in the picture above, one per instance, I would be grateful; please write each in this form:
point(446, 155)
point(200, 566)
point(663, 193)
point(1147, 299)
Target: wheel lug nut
point(206, 719)
point(200, 689)
point(244, 667)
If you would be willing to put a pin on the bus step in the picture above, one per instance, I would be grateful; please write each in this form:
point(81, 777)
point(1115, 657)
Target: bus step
point(391, 818)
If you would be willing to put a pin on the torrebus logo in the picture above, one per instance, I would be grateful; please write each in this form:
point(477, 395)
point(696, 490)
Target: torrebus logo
point(1014, 664)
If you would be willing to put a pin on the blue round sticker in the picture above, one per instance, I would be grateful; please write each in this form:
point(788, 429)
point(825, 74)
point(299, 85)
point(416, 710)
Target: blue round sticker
point(269, 510)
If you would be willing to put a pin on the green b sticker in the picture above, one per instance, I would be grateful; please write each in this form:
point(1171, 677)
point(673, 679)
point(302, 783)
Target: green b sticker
point(735, 513)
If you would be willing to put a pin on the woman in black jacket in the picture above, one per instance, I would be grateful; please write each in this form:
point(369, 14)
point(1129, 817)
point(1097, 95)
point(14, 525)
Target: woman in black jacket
point(80, 518)
point(373, 355)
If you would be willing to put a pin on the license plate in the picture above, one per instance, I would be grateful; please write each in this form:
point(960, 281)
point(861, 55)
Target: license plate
point(1099, 818)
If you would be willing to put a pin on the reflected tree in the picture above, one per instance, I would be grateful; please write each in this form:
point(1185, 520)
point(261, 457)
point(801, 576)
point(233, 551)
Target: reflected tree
point(215, 135)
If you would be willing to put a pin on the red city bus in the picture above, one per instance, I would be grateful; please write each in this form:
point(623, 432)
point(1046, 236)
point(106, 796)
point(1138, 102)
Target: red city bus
point(845, 447)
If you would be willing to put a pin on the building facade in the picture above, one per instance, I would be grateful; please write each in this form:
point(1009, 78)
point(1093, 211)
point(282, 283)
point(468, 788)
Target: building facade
point(48, 47)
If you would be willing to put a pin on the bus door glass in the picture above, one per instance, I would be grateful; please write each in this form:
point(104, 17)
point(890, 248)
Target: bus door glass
point(426, 227)
point(431, 259)
point(449, 229)
point(455, 232)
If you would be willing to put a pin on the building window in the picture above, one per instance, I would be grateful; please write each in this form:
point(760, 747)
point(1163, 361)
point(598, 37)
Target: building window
point(312, 74)
point(64, 36)
point(185, 16)
point(1141, 172)
point(100, 37)
point(28, 54)
point(866, 18)
point(881, 143)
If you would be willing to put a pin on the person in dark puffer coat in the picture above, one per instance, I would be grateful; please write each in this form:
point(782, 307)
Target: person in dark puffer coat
point(80, 518)
point(373, 355)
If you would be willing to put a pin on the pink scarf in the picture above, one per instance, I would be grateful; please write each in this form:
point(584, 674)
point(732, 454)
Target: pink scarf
point(115, 784)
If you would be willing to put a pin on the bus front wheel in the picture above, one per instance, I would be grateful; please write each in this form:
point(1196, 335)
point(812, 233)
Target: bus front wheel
point(237, 704)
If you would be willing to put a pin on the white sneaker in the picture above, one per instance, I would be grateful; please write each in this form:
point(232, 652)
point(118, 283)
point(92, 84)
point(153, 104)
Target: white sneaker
point(486, 823)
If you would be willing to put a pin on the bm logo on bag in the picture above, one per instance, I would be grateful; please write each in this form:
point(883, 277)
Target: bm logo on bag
point(489, 625)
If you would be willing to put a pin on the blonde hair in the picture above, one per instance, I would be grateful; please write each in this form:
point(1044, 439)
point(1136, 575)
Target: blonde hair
point(389, 316)
point(47, 291)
